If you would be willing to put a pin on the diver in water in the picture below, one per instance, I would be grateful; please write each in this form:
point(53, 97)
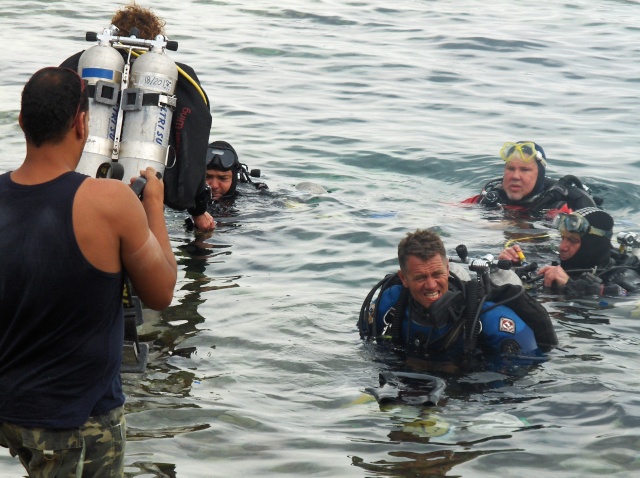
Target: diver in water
point(588, 264)
point(524, 185)
point(223, 173)
point(433, 309)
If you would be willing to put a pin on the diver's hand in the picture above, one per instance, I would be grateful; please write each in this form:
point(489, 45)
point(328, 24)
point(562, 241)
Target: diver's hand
point(204, 222)
point(554, 274)
point(511, 253)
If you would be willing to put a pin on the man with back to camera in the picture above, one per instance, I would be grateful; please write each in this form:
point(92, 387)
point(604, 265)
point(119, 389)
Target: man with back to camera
point(185, 186)
point(66, 241)
point(524, 185)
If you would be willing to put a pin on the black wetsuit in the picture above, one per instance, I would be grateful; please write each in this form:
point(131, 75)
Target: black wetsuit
point(619, 277)
point(567, 191)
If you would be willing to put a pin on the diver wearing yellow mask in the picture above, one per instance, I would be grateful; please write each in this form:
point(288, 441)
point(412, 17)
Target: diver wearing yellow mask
point(524, 184)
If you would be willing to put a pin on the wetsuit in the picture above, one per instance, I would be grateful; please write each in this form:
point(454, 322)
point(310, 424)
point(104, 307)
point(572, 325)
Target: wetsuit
point(185, 186)
point(61, 319)
point(620, 276)
point(440, 330)
point(566, 194)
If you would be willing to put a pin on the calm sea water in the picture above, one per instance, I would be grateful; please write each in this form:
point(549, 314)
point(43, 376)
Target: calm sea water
point(396, 109)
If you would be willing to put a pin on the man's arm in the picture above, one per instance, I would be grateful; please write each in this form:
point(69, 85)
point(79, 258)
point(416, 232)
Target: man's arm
point(145, 247)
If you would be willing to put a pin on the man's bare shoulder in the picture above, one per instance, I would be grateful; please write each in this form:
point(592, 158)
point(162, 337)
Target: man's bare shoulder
point(111, 189)
point(109, 197)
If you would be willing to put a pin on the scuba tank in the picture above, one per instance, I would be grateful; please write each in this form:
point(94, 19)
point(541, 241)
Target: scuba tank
point(101, 66)
point(129, 127)
point(148, 109)
point(129, 130)
point(629, 240)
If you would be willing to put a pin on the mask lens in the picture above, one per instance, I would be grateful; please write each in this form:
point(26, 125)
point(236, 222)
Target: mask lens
point(507, 151)
point(220, 158)
point(528, 151)
point(571, 223)
point(523, 151)
point(558, 220)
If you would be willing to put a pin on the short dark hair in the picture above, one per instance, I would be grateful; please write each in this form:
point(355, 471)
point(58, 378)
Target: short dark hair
point(51, 101)
point(423, 244)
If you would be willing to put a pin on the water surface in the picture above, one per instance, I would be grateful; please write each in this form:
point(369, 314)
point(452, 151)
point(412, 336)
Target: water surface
point(398, 111)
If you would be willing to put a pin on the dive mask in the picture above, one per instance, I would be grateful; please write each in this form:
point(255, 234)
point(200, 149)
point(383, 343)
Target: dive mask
point(576, 223)
point(523, 151)
point(221, 158)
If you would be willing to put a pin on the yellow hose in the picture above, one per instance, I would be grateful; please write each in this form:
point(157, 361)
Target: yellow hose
point(519, 239)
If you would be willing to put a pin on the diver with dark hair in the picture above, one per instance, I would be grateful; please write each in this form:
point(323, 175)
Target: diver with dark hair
point(62, 321)
point(432, 308)
point(225, 171)
point(524, 185)
point(588, 263)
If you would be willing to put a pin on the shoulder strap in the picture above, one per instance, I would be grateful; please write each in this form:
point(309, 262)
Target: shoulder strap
point(396, 314)
point(471, 329)
point(568, 189)
point(365, 325)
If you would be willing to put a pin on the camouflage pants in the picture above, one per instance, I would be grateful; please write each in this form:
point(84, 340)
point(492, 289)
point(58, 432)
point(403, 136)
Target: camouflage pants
point(95, 450)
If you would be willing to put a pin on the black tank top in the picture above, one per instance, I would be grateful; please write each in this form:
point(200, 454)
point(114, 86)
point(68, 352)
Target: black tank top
point(61, 319)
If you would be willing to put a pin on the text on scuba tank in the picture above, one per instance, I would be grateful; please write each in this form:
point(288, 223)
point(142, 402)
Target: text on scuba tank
point(113, 123)
point(161, 126)
point(156, 82)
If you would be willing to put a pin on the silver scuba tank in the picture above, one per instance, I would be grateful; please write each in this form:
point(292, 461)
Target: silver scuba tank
point(148, 109)
point(101, 66)
point(629, 241)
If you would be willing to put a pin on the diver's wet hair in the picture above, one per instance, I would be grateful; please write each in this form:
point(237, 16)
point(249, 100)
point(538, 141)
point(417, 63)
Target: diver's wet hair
point(423, 244)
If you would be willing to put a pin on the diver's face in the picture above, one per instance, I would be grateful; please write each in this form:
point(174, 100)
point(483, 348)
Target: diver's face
point(219, 182)
point(428, 280)
point(519, 178)
point(569, 245)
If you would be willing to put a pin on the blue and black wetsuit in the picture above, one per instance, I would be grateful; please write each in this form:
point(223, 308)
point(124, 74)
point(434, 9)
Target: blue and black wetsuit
point(440, 331)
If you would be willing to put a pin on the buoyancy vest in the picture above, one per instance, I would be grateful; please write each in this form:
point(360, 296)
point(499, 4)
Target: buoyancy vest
point(625, 272)
point(620, 276)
